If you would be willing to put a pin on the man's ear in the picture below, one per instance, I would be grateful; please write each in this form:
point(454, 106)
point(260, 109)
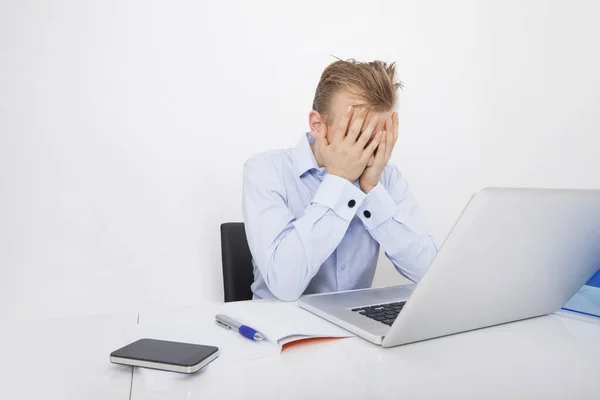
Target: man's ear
point(316, 122)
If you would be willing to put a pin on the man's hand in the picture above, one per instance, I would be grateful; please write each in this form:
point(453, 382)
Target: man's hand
point(344, 151)
point(370, 177)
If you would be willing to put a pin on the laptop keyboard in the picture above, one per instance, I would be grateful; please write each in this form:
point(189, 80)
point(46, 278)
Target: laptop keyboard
point(384, 313)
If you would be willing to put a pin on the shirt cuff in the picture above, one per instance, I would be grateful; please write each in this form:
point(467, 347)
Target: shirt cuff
point(339, 195)
point(377, 208)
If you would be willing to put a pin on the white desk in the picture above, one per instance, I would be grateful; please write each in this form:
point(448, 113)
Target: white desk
point(64, 359)
point(543, 358)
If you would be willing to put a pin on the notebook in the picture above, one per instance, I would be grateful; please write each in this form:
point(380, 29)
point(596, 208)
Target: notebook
point(280, 322)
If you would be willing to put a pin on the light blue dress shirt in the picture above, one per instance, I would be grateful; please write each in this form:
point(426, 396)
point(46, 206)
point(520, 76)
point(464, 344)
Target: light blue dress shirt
point(313, 232)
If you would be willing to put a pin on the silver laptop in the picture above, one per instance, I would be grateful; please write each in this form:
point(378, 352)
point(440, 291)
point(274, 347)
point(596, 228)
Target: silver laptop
point(512, 254)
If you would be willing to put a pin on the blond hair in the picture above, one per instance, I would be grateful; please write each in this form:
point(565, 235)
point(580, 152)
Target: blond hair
point(374, 81)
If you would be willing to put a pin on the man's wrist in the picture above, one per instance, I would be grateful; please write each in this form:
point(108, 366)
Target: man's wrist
point(377, 208)
point(340, 196)
point(338, 174)
point(366, 187)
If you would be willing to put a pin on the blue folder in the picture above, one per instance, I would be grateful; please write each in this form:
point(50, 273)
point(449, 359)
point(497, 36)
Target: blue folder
point(587, 300)
point(595, 281)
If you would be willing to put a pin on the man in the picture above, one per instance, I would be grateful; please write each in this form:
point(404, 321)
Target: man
point(317, 214)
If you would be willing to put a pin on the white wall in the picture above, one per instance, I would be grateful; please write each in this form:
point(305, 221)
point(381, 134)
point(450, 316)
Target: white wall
point(540, 111)
point(124, 125)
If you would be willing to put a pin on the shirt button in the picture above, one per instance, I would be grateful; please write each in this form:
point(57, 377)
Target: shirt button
point(351, 203)
point(367, 214)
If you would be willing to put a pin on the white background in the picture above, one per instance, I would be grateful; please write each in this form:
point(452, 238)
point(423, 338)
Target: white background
point(124, 125)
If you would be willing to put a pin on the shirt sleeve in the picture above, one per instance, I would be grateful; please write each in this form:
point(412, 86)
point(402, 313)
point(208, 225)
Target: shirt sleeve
point(393, 219)
point(289, 251)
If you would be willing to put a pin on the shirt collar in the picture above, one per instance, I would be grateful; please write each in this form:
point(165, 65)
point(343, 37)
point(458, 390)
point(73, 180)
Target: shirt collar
point(303, 157)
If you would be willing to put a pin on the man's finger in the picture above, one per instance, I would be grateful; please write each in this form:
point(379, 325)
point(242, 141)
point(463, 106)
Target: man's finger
point(381, 156)
point(356, 125)
point(371, 161)
point(372, 146)
point(366, 134)
point(341, 126)
point(321, 138)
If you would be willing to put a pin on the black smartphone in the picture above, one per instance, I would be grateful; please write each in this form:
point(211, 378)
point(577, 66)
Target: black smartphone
point(186, 358)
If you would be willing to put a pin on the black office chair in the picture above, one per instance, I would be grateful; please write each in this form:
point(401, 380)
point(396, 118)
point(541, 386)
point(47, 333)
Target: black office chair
point(238, 272)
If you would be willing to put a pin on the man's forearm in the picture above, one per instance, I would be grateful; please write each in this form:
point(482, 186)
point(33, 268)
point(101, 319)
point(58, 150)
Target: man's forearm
point(289, 252)
point(411, 252)
point(400, 230)
point(296, 257)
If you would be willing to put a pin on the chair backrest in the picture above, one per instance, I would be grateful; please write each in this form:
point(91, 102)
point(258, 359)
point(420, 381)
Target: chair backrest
point(238, 272)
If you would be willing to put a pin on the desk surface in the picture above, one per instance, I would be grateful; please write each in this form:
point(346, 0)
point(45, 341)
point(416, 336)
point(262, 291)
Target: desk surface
point(64, 359)
point(551, 357)
point(542, 358)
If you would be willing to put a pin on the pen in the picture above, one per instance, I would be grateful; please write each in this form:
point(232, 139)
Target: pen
point(244, 330)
